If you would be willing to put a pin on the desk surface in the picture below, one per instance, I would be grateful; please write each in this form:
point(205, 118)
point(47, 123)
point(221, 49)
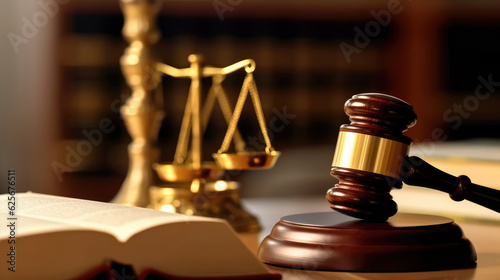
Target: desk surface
point(484, 236)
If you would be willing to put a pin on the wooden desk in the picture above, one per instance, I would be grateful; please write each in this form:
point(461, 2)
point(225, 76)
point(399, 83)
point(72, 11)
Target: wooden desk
point(484, 236)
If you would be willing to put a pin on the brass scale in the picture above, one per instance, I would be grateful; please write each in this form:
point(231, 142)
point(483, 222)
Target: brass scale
point(187, 166)
point(193, 187)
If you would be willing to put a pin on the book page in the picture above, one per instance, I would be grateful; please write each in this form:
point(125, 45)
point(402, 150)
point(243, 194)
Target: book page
point(118, 220)
point(31, 226)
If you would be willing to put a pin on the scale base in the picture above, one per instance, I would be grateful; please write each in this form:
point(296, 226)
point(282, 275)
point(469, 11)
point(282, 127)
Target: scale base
point(332, 241)
point(219, 199)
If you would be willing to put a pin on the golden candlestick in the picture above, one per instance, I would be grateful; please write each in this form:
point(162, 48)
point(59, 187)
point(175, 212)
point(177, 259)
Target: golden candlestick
point(142, 111)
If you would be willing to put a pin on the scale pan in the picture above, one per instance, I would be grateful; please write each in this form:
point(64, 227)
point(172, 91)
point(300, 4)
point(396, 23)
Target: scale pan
point(186, 173)
point(246, 160)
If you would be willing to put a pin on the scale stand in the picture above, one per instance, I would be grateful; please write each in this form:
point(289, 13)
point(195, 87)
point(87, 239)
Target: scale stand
point(195, 187)
point(192, 187)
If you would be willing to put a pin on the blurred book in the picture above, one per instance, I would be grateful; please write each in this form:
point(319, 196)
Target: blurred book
point(479, 159)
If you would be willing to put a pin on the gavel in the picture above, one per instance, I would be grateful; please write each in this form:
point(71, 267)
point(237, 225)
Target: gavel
point(371, 158)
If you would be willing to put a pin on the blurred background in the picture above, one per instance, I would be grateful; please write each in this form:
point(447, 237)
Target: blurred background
point(60, 78)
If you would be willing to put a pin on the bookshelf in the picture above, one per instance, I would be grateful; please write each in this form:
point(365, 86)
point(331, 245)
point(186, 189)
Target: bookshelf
point(300, 66)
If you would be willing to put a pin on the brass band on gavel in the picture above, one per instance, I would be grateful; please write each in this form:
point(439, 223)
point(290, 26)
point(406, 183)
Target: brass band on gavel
point(370, 153)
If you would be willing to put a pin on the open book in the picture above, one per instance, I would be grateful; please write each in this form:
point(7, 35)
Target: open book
point(51, 237)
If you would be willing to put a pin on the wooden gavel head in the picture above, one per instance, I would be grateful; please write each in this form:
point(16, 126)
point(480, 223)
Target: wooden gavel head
point(369, 155)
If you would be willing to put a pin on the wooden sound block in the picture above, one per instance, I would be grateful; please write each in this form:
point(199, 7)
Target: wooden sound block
point(333, 241)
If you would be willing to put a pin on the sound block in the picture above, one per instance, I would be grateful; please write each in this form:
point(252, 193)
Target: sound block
point(333, 241)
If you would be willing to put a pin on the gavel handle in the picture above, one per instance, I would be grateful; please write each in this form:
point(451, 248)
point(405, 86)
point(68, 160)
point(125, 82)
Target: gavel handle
point(417, 172)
